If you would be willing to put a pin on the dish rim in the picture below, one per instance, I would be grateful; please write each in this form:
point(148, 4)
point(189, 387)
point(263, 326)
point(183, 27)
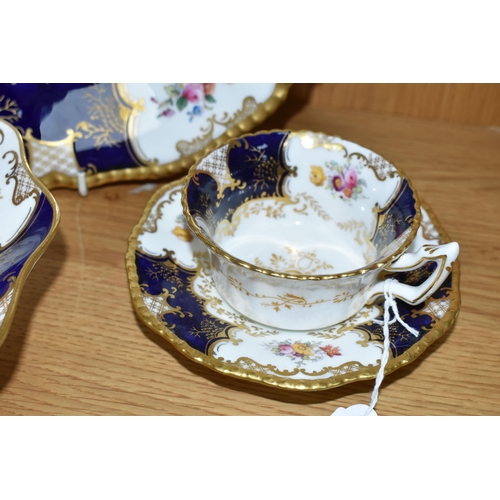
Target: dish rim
point(33, 258)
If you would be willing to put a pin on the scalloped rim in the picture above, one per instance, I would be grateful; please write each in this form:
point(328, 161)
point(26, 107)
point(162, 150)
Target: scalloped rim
point(180, 166)
point(370, 372)
point(33, 258)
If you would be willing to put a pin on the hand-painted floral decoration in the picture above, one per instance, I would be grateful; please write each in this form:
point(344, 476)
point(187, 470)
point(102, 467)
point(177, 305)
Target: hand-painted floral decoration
point(342, 179)
point(181, 95)
point(302, 351)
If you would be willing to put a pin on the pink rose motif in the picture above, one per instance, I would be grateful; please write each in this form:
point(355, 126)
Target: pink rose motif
point(338, 183)
point(286, 349)
point(194, 92)
point(351, 178)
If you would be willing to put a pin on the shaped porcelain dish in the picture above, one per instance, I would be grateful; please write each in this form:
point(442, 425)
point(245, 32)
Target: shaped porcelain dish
point(29, 217)
point(173, 293)
point(301, 225)
point(102, 133)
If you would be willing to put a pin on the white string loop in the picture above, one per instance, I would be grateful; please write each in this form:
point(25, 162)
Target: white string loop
point(390, 304)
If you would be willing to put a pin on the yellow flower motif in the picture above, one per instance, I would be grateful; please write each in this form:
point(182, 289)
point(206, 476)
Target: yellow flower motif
point(301, 348)
point(317, 176)
point(182, 234)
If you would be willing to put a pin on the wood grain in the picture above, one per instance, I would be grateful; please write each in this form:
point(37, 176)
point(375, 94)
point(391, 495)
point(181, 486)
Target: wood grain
point(76, 346)
point(471, 103)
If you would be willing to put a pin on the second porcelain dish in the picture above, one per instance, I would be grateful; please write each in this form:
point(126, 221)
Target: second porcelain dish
point(110, 132)
point(29, 217)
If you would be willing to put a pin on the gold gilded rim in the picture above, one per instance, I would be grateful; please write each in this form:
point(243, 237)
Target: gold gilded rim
point(415, 224)
point(366, 373)
point(33, 258)
point(180, 166)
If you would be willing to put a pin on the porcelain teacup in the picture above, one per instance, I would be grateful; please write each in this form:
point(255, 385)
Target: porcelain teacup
point(302, 228)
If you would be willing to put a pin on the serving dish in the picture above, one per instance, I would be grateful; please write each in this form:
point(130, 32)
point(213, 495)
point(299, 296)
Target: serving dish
point(29, 218)
point(101, 133)
point(173, 293)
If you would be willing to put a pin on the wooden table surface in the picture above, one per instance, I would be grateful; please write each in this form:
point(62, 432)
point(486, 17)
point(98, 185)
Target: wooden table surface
point(76, 346)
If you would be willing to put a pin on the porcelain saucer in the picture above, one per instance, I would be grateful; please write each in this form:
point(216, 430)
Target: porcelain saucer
point(173, 293)
point(29, 218)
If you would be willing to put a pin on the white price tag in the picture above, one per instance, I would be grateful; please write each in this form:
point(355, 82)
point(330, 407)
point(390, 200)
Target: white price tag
point(354, 411)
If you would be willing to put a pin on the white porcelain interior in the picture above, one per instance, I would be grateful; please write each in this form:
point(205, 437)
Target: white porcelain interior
point(313, 229)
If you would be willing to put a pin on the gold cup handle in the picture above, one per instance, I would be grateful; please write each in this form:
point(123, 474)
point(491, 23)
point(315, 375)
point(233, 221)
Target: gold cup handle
point(443, 255)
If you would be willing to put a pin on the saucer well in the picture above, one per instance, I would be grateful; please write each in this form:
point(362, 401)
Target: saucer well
point(173, 293)
point(29, 217)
